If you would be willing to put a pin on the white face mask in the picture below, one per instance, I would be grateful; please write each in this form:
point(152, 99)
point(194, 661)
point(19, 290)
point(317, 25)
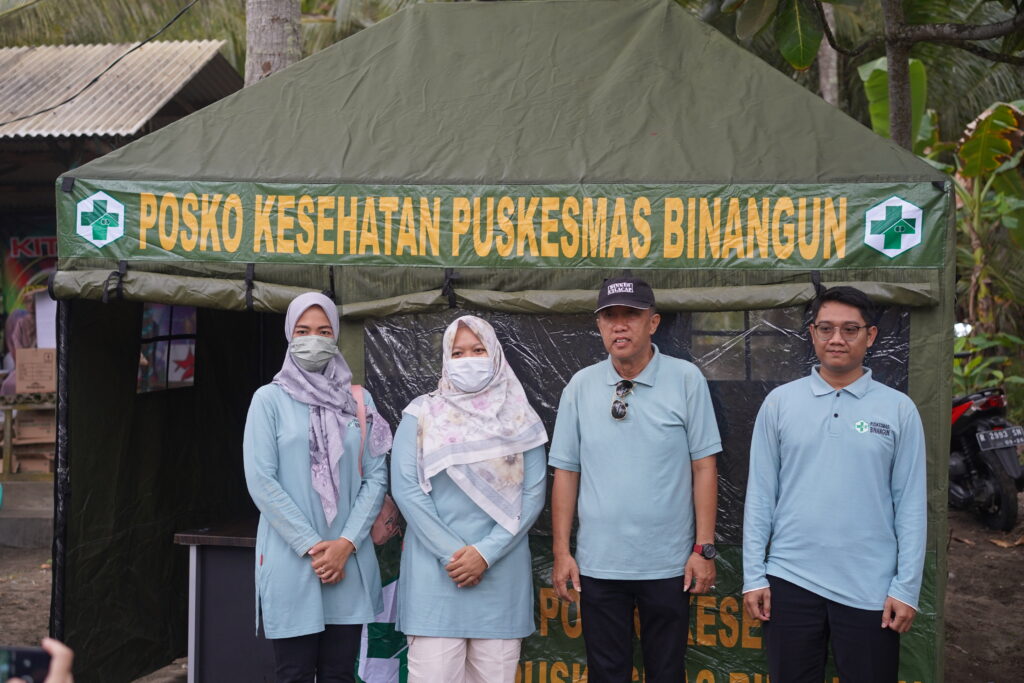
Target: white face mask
point(470, 374)
point(312, 352)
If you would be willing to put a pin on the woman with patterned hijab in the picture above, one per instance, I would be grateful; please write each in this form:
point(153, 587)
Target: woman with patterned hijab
point(468, 473)
point(317, 580)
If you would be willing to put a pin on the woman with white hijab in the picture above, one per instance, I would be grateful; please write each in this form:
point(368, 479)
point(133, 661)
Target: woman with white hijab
point(468, 473)
point(317, 580)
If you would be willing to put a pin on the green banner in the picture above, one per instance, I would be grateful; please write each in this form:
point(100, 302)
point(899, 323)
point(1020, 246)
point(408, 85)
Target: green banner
point(852, 225)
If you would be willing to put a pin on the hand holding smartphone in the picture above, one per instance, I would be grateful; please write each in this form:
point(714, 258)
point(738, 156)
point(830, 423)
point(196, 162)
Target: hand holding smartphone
point(48, 664)
point(30, 664)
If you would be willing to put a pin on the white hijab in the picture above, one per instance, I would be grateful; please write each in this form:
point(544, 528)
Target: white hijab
point(478, 438)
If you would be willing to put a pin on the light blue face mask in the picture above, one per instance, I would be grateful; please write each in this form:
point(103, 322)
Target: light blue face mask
point(312, 352)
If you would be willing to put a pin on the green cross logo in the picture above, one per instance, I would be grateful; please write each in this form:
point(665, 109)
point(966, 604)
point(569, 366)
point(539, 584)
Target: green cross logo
point(861, 426)
point(893, 226)
point(100, 219)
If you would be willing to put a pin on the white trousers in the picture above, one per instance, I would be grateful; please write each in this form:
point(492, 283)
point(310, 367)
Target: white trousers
point(462, 660)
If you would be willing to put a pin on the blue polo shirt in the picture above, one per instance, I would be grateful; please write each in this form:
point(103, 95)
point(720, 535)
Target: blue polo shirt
point(636, 491)
point(836, 492)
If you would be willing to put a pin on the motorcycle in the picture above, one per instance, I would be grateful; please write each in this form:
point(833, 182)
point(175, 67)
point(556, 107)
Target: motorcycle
point(985, 472)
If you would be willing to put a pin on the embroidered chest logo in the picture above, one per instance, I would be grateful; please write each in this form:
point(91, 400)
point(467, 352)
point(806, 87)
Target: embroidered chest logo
point(880, 428)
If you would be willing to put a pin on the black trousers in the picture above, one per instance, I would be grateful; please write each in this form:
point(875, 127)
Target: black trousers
point(325, 657)
point(606, 607)
point(802, 625)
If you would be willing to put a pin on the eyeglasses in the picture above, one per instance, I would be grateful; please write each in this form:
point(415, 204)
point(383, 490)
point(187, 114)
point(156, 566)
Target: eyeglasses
point(623, 389)
point(849, 332)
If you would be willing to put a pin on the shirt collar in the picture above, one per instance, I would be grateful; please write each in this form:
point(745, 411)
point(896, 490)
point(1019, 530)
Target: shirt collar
point(646, 376)
point(820, 387)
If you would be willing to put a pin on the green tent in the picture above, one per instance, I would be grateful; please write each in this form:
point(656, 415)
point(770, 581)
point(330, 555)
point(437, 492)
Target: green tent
point(496, 157)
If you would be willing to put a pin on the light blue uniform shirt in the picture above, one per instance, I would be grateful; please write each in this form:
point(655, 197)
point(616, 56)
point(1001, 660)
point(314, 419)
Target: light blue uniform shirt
point(441, 522)
point(636, 517)
point(276, 455)
point(836, 493)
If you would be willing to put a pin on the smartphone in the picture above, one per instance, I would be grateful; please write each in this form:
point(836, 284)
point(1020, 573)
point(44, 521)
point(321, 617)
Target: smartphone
point(30, 664)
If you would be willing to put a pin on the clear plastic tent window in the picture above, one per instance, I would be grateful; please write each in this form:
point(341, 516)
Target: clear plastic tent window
point(744, 355)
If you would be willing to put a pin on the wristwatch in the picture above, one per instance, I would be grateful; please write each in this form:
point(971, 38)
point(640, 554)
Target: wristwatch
point(705, 550)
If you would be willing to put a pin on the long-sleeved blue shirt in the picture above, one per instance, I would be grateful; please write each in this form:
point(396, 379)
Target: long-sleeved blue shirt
point(836, 493)
point(276, 456)
point(441, 522)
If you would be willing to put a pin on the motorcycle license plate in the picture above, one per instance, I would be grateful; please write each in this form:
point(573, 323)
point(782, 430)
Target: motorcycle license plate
point(1000, 438)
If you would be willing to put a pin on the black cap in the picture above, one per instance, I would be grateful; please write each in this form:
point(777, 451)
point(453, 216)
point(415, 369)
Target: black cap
point(624, 291)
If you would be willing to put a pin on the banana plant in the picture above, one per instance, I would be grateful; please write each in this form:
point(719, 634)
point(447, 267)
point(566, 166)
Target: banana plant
point(974, 371)
point(989, 185)
point(875, 77)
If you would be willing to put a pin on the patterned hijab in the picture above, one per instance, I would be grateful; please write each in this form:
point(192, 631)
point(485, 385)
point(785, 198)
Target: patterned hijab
point(478, 438)
point(331, 405)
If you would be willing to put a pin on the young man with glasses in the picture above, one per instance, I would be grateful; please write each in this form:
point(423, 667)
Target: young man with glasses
point(635, 440)
point(835, 516)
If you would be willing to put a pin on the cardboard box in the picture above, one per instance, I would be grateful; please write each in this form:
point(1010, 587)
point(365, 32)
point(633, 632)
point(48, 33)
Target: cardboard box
point(33, 458)
point(36, 371)
point(37, 462)
point(35, 426)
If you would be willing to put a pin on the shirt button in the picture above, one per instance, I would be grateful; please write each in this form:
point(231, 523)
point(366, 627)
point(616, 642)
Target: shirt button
point(835, 414)
point(838, 394)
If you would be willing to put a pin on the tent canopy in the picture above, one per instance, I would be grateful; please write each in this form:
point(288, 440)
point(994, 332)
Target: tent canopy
point(573, 91)
point(496, 156)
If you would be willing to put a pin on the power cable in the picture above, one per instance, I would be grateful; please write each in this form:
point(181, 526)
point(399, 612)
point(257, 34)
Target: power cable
point(109, 67)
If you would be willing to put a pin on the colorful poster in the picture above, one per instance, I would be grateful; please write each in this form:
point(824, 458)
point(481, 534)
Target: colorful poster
point(167, 353)
point(29, 256)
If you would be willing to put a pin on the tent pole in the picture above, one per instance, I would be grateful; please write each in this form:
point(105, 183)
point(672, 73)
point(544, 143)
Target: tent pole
point(61, 479)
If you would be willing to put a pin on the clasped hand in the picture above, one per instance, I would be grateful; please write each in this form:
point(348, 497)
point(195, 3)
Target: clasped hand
point(329, 558)
point(467, 567)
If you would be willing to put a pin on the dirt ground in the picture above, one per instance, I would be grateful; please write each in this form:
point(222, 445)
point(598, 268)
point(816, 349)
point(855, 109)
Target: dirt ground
point(25, 576)
point(984, 594)
point(984, 619)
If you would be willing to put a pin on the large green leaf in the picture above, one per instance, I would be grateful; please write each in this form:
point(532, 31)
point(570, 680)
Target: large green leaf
point(875, 76)
point(752, 16)
point(927, 133)
point(798, 33)
point(731, 5)
point(991, 140)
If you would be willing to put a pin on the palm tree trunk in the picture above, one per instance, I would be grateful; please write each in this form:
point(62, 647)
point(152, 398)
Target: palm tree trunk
point(273, 39)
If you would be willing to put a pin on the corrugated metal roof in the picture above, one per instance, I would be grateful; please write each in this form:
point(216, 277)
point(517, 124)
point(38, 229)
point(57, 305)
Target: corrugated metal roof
point(121, 101)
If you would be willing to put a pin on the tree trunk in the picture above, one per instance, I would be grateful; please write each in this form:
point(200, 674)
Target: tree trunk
point(828, 63)
point(897, 53)
point(272, 36)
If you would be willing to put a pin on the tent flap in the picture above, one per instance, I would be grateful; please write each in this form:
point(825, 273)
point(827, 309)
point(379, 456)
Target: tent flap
point(268, 297)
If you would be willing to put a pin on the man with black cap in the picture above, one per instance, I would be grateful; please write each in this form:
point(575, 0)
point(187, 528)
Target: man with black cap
point(635, 441)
